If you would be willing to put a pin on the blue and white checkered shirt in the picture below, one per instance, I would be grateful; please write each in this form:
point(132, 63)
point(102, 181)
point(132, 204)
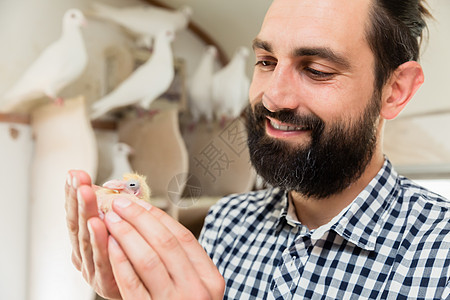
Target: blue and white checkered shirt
point(391, 242)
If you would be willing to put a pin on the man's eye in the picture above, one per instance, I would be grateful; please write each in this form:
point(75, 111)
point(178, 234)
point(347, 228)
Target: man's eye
point(319, 75)
point(262, 63)
point(265, 64)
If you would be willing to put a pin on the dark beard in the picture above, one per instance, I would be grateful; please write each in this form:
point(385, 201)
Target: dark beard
point(334, 158)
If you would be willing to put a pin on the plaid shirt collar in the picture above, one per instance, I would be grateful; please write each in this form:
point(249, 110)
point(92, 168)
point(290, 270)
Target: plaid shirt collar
point(361, 221)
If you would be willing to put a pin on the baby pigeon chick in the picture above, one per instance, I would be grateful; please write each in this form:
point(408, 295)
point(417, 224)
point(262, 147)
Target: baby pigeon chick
point(131, 184)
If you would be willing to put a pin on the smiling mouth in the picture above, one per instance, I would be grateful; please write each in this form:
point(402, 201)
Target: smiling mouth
point(285, 127)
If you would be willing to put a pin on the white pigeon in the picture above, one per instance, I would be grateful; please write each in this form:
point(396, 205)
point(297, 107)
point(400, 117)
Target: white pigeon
point(230, 87)
point(200, 87)
point(58, 65)
point(145, 21)
point(120, 163)
point(146, 83)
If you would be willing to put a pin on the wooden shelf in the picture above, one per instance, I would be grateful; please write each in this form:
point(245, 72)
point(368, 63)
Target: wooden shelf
point(26, 119)
point(15, 118)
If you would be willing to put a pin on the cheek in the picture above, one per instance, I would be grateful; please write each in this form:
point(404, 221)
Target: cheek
point(255, 91)
point(325, 101)
point(343, 100)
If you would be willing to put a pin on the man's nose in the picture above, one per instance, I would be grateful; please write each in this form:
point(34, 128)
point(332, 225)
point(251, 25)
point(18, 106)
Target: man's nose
point(282, 91)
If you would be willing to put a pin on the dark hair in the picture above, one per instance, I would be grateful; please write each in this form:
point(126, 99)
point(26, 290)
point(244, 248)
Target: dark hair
point(394, 34)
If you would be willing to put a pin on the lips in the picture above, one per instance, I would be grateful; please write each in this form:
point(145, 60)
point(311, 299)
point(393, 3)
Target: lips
point(281, 127)
point(284, 124)
point(286, 127)
point(286, 131)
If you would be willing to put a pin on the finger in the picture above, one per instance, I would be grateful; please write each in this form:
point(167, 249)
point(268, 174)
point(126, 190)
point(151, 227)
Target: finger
point(87, 208)
point(164, 243)
point(146, 262)
point(104, 277)
point(71, 206)
point(67, 188)
point(201, 261)
point(129, 283)
point(74, 179)
point(199, 258)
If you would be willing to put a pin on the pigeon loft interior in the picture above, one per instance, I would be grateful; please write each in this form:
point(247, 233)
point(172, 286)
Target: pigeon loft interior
point(158, 88)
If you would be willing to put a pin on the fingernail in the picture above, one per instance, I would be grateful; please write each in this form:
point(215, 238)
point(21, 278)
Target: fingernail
point(122, 202)
point(69, 179)
point(113, 217)
point(144, 204)
point(75, 182)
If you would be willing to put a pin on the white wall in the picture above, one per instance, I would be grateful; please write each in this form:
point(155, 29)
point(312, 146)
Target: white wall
point(15, 156)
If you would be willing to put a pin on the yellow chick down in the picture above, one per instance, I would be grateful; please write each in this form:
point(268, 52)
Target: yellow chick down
point(132, 184)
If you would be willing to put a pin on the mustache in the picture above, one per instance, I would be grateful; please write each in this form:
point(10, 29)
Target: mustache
point(259, 113)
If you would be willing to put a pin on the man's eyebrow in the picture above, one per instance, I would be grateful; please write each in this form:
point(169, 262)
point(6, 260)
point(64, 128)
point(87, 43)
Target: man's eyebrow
point(260, 44)
point(323, 52)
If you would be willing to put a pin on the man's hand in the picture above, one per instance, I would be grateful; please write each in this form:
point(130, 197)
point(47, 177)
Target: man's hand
point(88, 235)
point(153, 256)
point(148, 255)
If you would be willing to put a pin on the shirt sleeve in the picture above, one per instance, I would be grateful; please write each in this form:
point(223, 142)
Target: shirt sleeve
point(211, 228)
point(208, 232)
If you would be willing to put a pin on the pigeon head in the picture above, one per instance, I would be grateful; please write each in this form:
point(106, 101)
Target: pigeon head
point(211, 50)
point(186, 11)
point(74, 18)
point(243, 51)
point(167, 35)
point(131, 183)
point(120, 148)
point(137, 184)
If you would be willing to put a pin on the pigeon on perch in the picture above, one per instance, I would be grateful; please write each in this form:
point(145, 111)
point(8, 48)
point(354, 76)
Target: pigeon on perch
point(58, 65)
point(230, 87)
point(120, 162)
point(145, 21)
point(131, 183)
point(146, 83)
point(200, 87)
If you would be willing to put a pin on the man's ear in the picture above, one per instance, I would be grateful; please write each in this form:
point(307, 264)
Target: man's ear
point(401, 87)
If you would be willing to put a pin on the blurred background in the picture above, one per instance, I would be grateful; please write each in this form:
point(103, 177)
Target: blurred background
point(192, 150)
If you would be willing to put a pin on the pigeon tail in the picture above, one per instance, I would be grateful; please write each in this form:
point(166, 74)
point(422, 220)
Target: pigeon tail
point(100, 108)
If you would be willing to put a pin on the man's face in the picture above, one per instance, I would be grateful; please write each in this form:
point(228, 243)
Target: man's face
point(314, 76)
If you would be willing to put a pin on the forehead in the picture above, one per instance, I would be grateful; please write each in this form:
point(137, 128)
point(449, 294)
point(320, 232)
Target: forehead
point(329, 23)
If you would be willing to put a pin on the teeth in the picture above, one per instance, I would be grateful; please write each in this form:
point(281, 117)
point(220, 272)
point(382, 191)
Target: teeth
point(285, 127)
